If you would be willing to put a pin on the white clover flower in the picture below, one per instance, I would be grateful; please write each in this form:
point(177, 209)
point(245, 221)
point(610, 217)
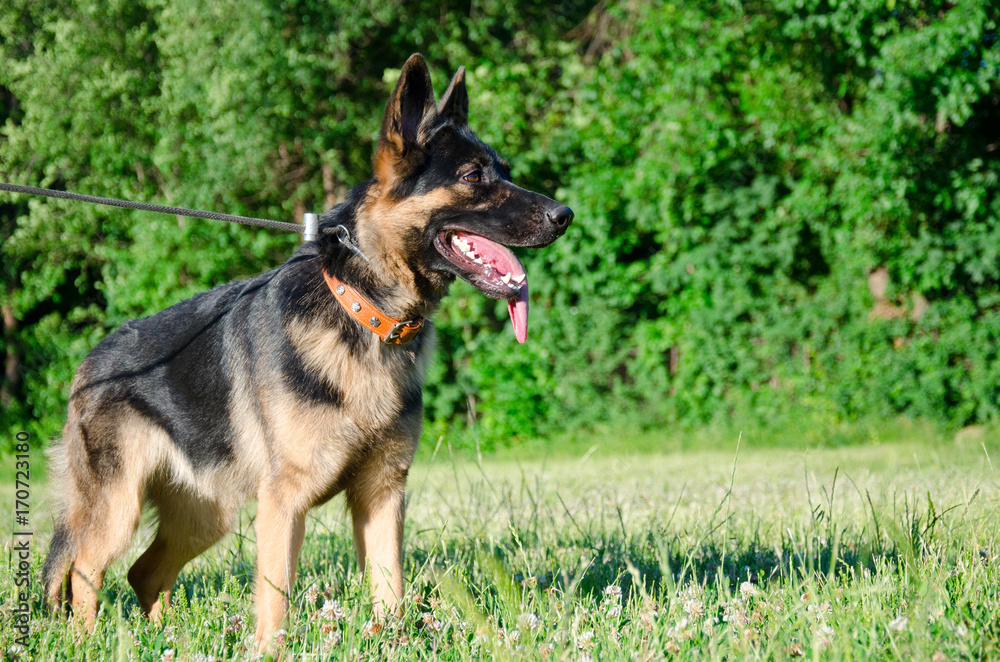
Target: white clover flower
point(431, 621)
point(690, 591)
point(280, 637)
point(735, 615)
point(528, 621)
point(819, 611)
point(824, 636)
point(332, 611)
point(680, 631)
point(694, 608)
point(613, 591)
point(747, 589)
point(168, 655)
point(585, 640)
point(899, 624)
point(312, 594)
point(235, 624)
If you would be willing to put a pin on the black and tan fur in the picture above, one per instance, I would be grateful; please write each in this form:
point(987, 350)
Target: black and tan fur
point(268, 389)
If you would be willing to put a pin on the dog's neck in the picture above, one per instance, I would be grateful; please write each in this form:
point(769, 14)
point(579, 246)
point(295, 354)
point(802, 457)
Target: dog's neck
point(382, 275)
point(388, 284)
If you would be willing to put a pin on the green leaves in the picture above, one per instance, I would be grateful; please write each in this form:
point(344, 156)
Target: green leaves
point(737, 172)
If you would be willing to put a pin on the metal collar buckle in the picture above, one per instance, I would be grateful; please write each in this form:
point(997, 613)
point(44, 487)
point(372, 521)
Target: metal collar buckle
point(403, 332)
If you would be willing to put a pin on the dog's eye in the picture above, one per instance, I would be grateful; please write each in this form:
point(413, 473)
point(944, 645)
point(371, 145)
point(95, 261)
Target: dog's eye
point(474, 177)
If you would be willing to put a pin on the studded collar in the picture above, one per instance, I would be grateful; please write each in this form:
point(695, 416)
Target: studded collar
point(392, 331)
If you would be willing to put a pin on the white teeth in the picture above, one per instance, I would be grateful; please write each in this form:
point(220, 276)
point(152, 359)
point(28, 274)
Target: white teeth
point(462, 244)
point(478, 260)
point(506, 279)
point(518, 278)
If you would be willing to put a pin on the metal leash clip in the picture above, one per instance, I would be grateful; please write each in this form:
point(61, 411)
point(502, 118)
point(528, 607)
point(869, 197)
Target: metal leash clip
point(344, 236)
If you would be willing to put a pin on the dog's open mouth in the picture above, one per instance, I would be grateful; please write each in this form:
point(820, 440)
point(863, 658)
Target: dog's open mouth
point(493, 269)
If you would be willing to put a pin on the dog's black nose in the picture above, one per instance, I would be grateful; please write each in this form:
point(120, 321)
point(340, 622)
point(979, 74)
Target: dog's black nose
point(561, 216)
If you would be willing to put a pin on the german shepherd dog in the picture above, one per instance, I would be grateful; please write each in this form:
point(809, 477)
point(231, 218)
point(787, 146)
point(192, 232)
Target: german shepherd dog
point(282, 387)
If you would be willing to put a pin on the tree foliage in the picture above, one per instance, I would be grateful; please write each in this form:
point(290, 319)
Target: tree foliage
point(786, 210)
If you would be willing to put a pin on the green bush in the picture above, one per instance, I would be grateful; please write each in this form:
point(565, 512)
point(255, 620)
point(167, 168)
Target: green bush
point(786, 211)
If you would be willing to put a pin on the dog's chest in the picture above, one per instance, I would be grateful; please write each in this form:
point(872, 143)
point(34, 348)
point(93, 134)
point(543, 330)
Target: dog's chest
point(372, 387)
point(380, 393)
point(373, 411)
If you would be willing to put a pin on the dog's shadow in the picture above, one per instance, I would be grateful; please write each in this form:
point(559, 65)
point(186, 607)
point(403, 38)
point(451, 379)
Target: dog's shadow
point(650, 566)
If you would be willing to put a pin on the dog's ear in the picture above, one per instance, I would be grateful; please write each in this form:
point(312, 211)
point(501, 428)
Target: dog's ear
point(454, 105)
point(411, 104)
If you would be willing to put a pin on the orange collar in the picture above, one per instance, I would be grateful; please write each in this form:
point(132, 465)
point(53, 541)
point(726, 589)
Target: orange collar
point(392, 331)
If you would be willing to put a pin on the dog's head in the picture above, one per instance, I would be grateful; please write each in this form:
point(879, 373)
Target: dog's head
point(442, 203)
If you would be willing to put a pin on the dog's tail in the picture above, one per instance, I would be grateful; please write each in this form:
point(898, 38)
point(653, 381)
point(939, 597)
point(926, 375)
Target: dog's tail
point(62, 550)
point(55, 572)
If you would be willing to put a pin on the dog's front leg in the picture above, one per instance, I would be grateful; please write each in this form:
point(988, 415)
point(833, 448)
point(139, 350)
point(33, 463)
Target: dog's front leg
point(280, 529)
point(377, 509)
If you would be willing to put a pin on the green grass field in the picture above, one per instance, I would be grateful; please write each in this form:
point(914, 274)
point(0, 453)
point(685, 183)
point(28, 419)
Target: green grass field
point(878, 551)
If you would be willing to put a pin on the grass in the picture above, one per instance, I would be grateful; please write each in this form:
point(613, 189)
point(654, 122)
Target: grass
point(877, 551)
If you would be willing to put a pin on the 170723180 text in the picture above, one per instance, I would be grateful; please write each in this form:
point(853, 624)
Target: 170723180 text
point(22, 540)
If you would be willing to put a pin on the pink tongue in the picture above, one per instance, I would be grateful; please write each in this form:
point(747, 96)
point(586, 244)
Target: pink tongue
point(502, 260)
point(519, 314)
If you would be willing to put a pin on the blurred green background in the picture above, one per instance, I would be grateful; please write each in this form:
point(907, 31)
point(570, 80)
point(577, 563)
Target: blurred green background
point(787, 211)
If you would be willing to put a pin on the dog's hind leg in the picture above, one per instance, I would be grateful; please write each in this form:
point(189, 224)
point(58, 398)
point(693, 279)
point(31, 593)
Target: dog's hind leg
point(102, 494)
point(188, 526)
point(105, 528)
point(280, 525)
point(376, 499)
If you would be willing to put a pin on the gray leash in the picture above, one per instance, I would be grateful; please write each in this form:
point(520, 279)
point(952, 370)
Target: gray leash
point(309, 229)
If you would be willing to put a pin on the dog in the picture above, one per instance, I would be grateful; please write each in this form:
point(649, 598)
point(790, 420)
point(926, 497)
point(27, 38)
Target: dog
point(298, 384)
